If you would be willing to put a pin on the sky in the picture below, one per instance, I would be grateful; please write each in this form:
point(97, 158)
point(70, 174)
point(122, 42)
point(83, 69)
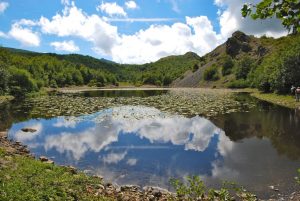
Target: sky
point(126, 31)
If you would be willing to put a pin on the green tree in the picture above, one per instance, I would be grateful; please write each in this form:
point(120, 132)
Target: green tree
point(4, 79)
point(227, 66)
point(244, 67)
point(288, 11)
point(21, 82)
point(211, 73)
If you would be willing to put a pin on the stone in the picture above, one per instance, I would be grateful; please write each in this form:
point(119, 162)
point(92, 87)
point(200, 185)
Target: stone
point(27, 130)
point(43, 158)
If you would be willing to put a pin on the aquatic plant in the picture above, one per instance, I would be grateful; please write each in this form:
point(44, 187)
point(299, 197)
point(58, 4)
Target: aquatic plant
point(194, 189)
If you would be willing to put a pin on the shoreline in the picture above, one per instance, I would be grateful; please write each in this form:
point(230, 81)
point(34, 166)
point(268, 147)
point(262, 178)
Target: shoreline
point(99, 190)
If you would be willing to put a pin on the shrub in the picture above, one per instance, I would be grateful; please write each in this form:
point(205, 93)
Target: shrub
point(227, 66)
point(193, 190)
point(265, 87)
point(4, 79)
point(238, 84)
point(195, 67)
point(21, 81)
point(244, 67)
point(211, 73)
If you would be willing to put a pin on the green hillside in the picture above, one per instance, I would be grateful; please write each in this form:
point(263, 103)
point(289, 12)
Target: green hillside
point(271, 65)
point(24, 71)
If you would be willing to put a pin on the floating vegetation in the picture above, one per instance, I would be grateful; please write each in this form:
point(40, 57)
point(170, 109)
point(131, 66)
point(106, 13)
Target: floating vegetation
point(186, 102)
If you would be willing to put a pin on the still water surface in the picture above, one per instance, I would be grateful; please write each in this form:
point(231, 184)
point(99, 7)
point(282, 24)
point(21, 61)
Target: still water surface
point(144, 146)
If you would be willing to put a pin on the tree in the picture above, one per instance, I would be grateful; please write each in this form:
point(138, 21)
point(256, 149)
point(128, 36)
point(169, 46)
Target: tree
point(211, 73)
point(288, 11)
point(227, 66)
point(244, 67)
point(4, 78)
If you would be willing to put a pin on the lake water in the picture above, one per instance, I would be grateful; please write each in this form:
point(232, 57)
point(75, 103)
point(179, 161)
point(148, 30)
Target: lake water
point(145, 146)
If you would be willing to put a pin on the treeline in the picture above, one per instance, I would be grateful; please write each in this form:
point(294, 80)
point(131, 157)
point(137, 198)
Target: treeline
point(24, 73)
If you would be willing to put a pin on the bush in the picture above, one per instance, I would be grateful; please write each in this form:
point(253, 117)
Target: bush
point(211, 74)
point(21, 81)
point(265, 87)
point(227, 66)
point(244, 67)
point(193, 190)
point(195, 67)
point(4, 79)
point(238, 84)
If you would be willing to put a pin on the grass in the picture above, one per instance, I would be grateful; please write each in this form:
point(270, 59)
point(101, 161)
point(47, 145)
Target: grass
point(23, 178)
point(283, 100)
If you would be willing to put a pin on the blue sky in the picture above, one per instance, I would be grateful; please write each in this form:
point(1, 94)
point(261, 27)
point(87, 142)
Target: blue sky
point(126, 31)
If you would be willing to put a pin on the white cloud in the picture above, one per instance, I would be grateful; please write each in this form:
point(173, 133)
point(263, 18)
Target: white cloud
point(131, 5)
point(111, 9)
point(3, 6)
point(146, 45)
point(114, 158)
point(65, 2)
point(148, 123)
point(74, 22)
point(3, 35)
point(132, 161)
point(175, 6)
point(24, 35)
point(138, 19)
point(68, 46)
point(231, 20)
point(157, 41)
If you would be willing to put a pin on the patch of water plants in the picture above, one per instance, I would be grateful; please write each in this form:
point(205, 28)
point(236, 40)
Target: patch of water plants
point(194, 189)
point(184, 102)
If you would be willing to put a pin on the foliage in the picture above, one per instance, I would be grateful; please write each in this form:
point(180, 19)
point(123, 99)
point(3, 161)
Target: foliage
point(243, 67)
point(21, 82)
point(227, 66)
point(281, 69)
point(195, 68)
point(194, 189)
point(23, 72)
point(238, 84)
point(23, 178)
point(288, 11)
point(4, 79)
point(211, 73)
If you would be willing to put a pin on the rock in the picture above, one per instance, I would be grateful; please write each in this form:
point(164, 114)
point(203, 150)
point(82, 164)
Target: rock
point(26, 130)
point(156, 193)
point(132, 188)
point(72, 169)
point(43, 158)
point(273, 188)
point(49, 162)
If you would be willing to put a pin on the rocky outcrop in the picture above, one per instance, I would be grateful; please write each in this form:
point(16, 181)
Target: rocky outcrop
point(238, 42)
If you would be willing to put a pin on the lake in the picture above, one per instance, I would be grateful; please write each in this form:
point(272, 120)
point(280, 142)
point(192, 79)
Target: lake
point(149, 137)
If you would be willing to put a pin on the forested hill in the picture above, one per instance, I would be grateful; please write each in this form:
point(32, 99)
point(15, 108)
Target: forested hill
point(24, 71)
point(271, 65)
point(242, 61)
